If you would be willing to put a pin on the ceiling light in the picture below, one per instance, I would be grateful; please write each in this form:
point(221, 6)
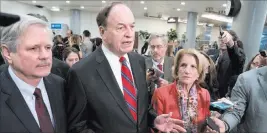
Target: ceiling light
point(67, 1)
point(178, 9)
point(103, 1)
point(224, 5)
point(217, 17)
point(182, 3)
point(145, 8)
point(82, 7)
point(56, 9)
point(33, 1)
point(142, 2)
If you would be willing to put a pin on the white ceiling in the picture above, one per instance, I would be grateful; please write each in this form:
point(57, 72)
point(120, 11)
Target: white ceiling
point(166, 8)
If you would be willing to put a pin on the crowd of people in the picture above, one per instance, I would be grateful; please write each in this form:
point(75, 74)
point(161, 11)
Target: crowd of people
point(79, 84)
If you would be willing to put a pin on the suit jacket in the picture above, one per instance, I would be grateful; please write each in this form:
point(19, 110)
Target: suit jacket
point(95, 101)
point(250, 96)
point(15, 115)
point(165, 100)
point(59, 68)
point(167, 69)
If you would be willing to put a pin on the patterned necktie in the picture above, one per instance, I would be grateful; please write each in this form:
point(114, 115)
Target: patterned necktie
point(42, 113)
point(160, 67)
point(128, 88)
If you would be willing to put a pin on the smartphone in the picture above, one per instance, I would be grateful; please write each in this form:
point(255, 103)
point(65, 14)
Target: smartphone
point(212, 124)
point(158, 72)
point(221, 105)
point(263, 53)
point(151, 70)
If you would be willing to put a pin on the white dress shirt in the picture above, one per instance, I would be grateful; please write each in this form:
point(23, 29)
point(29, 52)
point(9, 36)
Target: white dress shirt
point(157, 63)
point(115, 64)
point(27, 92)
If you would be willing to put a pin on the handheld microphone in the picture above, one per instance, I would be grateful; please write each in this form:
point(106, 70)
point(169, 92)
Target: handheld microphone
point(8, 19)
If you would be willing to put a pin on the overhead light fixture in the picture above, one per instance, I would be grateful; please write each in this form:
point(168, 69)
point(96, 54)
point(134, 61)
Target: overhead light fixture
point(178, 9)
point(82, 7)
point(56, 9)
point(217, 17)
point(142, 2)
point(103, 1)
point(224, 5)
point(67, 1)
point(33, 1)
point(145, 8)
point(182, 3)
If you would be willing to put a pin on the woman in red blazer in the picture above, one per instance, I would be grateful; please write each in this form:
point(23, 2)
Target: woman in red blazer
point(185, 98)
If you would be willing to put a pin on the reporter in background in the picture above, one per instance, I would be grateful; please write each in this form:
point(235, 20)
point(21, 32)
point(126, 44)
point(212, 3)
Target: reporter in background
point(231, 60)
point(158, 46)
point(184, 97)
point(249, 96)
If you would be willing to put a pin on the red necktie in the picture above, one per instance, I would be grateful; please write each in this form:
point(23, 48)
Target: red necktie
point(160, 67)
point(128, 88)
point(42, 113)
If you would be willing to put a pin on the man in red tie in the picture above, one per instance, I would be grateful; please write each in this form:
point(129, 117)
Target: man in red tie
point(107, 91)
point(31, 98)
point(159, 60)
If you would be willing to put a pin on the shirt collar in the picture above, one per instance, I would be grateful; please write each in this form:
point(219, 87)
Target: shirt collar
point(25, 88)
point(157, 63)
point(111, 56)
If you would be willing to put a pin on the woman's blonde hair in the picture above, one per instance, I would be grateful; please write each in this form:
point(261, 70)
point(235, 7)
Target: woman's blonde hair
point(178, 58)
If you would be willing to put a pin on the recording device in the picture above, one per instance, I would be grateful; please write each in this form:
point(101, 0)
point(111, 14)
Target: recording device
point(212, 124)
point(263, 53)
point(221, 31)
point(221, 105)
point(8, 19)
point(151, 70)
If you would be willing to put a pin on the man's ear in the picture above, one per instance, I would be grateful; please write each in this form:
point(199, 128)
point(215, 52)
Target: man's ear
point(6, 54)
point(101, 30)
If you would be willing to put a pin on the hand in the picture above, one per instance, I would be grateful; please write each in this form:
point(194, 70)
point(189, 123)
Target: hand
point(165, 123)
point(162, 82)
point(219, 123)
point(227, 39)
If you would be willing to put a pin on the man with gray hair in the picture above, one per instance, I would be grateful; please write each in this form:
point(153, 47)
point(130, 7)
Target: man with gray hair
point(159, 60)
point(31, 98)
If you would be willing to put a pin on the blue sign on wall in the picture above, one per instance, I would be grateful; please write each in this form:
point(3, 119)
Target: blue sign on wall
point(55, 26)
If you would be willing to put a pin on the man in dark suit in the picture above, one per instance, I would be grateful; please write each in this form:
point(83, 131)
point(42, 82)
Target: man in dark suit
point(31, 99)
point(158, 47)
point(107, 91)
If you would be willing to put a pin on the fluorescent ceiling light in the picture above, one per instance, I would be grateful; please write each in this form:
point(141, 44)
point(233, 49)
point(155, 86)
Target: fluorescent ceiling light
point(67, 1)
point(103, 1)
point(224, 5)
point(142, 2)
point(56, 9)
point(33, 1)
point(182, 3)
point(82, 7)
point(171, 20)
point(178, 9)
point(217, 17)
point(145, 8)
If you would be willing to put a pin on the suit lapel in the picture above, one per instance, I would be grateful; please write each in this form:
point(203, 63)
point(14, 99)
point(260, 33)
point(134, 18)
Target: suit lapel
point(17, 103)
point(50, 89)
point(137, 75)
point(166, 68)
point(110, 81)
point(262, 78)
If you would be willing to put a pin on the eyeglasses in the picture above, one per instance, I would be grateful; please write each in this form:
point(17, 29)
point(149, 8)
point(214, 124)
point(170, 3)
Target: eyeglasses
point(157, 46)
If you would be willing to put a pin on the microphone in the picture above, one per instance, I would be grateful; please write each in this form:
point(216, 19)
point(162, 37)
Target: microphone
point(8, 19)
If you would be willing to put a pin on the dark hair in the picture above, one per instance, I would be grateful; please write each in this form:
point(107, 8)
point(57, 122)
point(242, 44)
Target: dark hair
point(96, 41)
point(86, 33)
point(102, 16)
point(67, 52)
point(250, 62)
point(234, 35)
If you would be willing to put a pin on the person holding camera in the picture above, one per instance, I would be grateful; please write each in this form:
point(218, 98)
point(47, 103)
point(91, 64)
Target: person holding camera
point(159, 66)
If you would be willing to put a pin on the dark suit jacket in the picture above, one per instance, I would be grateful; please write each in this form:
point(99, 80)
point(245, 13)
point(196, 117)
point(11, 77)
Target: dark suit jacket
point(167, 69)
point(95, 101)
point(15, 116)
